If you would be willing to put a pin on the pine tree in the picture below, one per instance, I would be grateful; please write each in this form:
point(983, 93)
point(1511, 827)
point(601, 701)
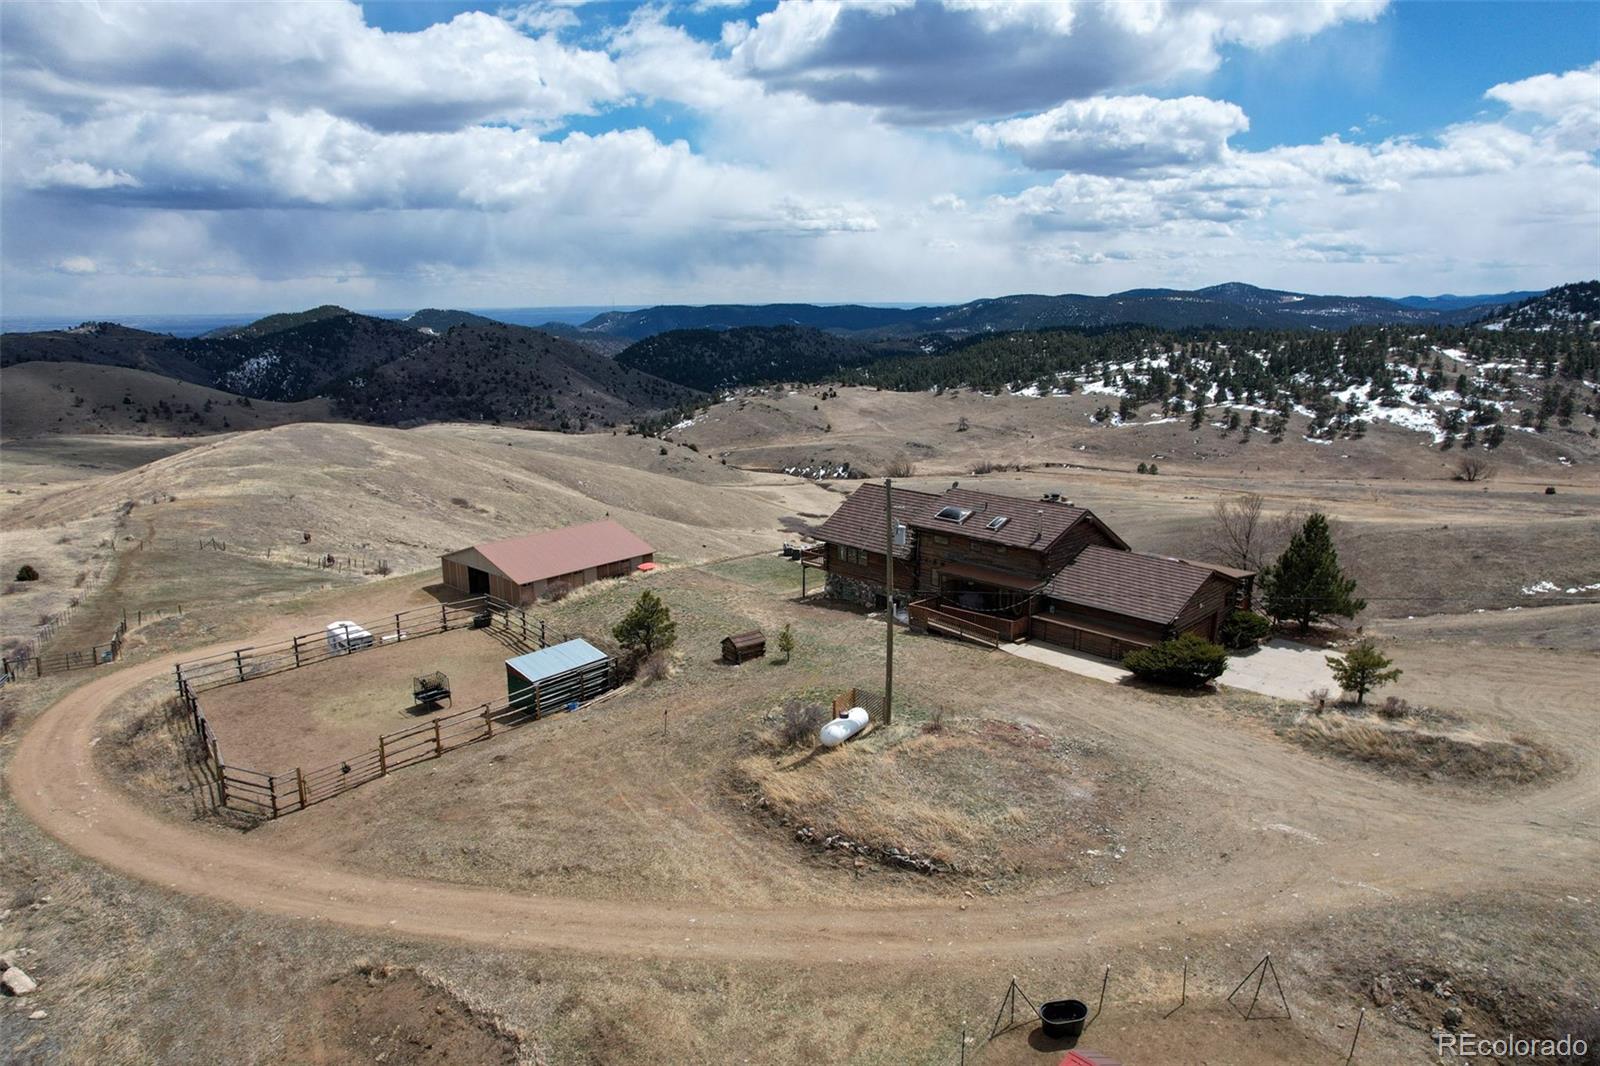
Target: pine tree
point(1306, 583)
point(1362, 669)
point(648, 627)
point(786, 642)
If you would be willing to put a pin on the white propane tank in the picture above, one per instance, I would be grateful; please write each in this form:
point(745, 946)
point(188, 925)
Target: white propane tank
point(843, 728)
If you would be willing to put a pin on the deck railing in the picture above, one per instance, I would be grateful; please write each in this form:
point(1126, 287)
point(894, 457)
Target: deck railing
point(971, 625)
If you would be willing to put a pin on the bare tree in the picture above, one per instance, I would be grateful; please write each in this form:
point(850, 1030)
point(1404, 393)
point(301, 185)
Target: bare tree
point(1474, 468)
point(898, 467)
point(1238, 531)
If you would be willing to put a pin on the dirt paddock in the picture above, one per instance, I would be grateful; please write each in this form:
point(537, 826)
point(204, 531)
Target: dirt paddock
point(321, 713)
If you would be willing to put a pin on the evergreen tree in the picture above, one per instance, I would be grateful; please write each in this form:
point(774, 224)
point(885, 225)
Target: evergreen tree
point(648, 627)
point(1362, 669)
point(786, 642)
point(1306, 583)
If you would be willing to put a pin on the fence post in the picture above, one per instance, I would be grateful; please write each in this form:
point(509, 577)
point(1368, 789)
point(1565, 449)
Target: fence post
point(383, 759)
point(38, 666)
point(444, 618)
point(238, 662)
point(542, 642)
point(272, 793)
point(300, 781)
point(222, 783)
point(488, 723)
point(438, 740)
point(536, 700)
point(296, 642)
point(397, 627)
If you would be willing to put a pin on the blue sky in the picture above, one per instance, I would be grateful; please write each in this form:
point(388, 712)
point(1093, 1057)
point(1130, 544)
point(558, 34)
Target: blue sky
point(190, 158)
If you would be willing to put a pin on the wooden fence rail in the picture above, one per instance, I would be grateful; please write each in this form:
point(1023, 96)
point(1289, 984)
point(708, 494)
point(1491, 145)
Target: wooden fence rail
point(306, 649)
point(272, 795)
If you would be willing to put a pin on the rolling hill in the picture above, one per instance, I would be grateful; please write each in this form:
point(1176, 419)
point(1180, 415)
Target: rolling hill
point(501, 373)
point(49, 399)
point(708, 359)
point(367, 369)
point(1567, 308)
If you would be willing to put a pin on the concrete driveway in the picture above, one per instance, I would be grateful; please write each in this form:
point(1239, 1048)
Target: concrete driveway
point(1280, 668)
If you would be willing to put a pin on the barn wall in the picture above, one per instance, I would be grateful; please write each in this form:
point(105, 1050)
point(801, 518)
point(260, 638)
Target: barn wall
point(454, 574)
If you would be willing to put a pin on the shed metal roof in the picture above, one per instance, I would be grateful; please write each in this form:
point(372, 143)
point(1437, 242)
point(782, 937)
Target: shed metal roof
point(561, 551)
point(555, 660)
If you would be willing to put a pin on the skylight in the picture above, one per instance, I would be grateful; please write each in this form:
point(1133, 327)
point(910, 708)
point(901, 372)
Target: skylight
point(997, 521)
point(954, 514)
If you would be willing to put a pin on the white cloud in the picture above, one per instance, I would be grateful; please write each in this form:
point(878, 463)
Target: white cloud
point(1120, 134)
point(76, 174)
point(1571, 100)
point(233, 59)
point(256, 161)
point(962, 59)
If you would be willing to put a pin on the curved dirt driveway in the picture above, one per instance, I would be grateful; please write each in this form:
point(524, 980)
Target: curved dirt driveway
point(1440, 845)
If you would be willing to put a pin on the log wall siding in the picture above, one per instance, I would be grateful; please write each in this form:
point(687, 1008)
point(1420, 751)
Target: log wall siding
point(1079, 537)
point(842, 561)
point(1206, 608)
point(932, 556)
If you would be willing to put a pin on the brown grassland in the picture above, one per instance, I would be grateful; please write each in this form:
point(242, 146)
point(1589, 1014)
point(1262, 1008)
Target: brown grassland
point(663, 876)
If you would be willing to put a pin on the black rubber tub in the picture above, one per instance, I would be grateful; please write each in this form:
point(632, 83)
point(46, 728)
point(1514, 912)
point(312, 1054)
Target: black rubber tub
point(1063, 1018)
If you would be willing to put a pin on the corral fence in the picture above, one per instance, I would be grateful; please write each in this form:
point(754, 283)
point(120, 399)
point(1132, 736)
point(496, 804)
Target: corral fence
point(273, 794)
point(55, 662)
point(263, 660)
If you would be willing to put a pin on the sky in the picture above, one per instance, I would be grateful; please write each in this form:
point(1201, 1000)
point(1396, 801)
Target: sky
point(211, 157)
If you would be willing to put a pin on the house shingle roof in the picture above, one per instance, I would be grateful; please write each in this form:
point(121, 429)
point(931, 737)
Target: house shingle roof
point(859, 522)
point(1033, 524)
point(1150, 587)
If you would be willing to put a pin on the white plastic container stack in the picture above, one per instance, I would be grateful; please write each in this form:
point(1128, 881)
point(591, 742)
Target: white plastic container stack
point(844, 727)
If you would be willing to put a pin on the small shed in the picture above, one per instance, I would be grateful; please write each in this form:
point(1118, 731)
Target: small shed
point(562, 674)
point(742, 647)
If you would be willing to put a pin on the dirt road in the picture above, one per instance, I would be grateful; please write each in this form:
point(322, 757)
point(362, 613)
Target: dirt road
point(1375, 840)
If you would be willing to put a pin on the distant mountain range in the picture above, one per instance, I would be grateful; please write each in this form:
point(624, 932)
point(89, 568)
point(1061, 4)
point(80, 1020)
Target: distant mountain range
point(633, 366)
point(1229, 306)
point(379, 369)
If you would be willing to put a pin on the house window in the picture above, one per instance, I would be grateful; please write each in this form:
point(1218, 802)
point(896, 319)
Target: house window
point(940, 539)
point(839, 552)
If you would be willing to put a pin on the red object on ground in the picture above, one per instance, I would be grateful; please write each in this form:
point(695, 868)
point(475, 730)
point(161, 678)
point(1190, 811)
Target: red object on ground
point(646, 567)
point(1088, 1058)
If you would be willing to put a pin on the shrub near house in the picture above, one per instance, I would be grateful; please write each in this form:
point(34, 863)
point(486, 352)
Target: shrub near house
point(1189, 661)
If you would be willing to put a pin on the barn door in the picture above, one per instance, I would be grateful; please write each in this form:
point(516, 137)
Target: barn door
point(477, 581)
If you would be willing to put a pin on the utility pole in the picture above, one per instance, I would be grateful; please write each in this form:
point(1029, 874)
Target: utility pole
point(888, 599)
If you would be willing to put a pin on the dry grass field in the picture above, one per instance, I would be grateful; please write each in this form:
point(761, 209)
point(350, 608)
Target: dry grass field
point(652, 877)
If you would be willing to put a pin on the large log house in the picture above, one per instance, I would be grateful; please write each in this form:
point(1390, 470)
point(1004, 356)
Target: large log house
point(997, 568)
